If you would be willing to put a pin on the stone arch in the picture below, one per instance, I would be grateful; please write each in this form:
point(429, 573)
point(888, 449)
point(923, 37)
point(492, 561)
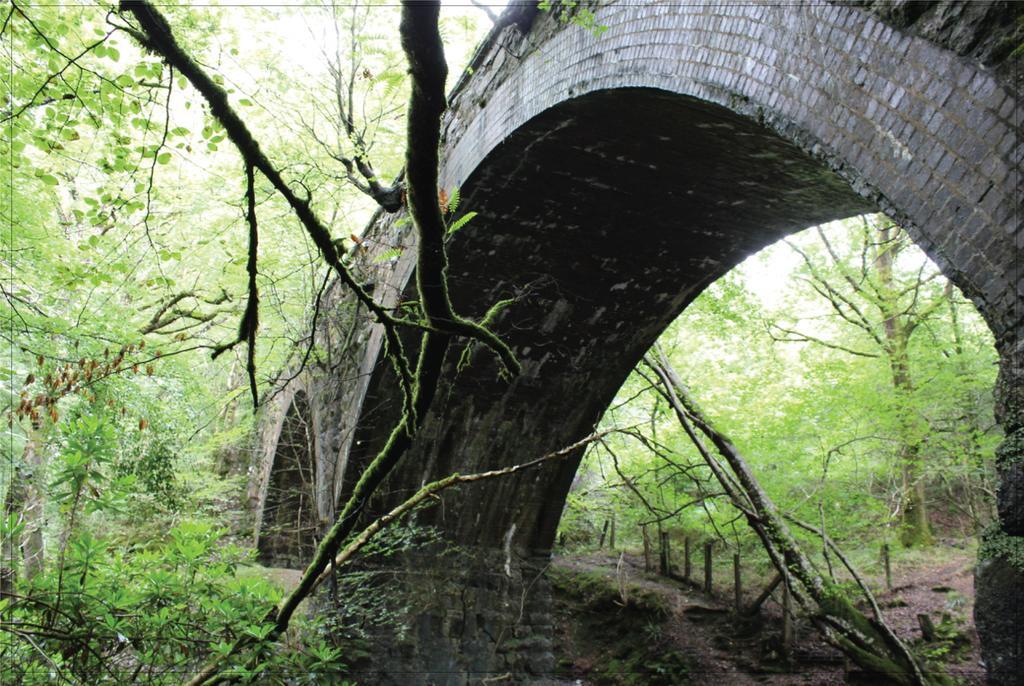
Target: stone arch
point(617, 176)
point(930, 138)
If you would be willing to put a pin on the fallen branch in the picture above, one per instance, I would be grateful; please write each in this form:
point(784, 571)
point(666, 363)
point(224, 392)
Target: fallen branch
point(868, 641)
point(755, 606)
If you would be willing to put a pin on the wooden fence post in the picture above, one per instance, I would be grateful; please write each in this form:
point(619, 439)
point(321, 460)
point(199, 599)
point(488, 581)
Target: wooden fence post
point(666, 555)
point(604, 532)
point(686, 558)
point(737, 583)
point(647, 548)
point(888, 566)
point(928, 632)
point(787, 621)
point(708, 587)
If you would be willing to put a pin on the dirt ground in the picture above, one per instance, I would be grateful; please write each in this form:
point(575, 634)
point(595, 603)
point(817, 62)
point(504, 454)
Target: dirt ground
point(726, 653)
point(723, 653)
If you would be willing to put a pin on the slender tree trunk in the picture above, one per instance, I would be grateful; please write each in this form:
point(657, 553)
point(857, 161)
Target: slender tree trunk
point(35, 502)
point(25, 501)
point(914, 525)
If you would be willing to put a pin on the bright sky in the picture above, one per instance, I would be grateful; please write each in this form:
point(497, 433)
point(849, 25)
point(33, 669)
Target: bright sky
point(298, 27)
point(767, 272)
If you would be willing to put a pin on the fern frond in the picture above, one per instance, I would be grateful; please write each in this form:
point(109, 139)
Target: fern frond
point(393, 253)
point(460, 222)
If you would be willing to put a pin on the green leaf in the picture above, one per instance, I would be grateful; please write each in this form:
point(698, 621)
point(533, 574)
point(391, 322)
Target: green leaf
point(460, 222)
point(259, 632)
point(393, 253)
point(163, 158)
point(48, 179)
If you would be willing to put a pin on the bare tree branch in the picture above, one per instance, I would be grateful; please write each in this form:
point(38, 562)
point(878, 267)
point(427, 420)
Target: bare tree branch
point(800, 337)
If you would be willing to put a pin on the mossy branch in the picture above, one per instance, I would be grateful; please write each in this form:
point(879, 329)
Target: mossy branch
point(871, 643)
point(422, 43)
point(155, 35)
point(424, 50)
point(441, 484)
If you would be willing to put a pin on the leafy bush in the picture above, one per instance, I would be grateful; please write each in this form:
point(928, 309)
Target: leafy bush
point(103, 612)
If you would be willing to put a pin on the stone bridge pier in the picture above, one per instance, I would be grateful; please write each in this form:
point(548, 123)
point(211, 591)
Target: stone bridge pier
point(615, 176)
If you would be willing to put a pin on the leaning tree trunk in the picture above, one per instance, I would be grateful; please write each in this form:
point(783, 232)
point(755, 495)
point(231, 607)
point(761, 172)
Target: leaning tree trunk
point(868, 641)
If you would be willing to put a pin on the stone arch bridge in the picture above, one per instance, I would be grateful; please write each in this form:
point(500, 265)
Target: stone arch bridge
point(615, 177)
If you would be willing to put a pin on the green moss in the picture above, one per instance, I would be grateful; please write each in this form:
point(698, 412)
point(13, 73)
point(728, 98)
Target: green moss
point(837, 605)
point(1011, 450)
point(996, 543)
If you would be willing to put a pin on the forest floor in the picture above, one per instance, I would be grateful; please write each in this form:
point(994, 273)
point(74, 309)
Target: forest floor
point(601, 640)
point(670, 633)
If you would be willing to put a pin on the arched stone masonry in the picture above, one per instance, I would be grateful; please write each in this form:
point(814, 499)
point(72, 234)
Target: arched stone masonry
point(615, 177)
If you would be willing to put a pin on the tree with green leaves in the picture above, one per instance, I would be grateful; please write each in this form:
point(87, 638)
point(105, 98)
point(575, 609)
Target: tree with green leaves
point(886, 306)
point(114, 106)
